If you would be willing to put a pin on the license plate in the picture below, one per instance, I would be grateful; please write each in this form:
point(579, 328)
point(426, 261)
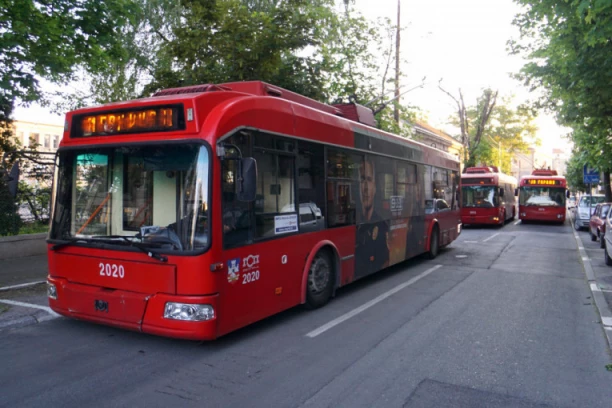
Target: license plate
point(101, 306)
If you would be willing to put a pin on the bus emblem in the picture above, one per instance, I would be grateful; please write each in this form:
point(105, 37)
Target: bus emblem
point(233, 270)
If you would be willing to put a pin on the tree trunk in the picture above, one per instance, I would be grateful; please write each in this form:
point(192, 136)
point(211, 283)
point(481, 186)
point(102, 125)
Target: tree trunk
point(606, 185)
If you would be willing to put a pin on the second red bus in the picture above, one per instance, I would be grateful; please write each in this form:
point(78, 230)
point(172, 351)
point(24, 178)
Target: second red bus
point(487, 196)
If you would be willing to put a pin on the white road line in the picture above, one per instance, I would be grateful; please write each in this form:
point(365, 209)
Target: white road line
point(518, 222)
point(30, 305)
point(607, 321)
point(595, 288)
point(585, 258)
point(471, 242)
point(369, 304)
point(21, 285)
point(491, 237)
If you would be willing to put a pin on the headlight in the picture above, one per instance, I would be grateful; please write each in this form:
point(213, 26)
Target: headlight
point(188, 311)
point(51, 291)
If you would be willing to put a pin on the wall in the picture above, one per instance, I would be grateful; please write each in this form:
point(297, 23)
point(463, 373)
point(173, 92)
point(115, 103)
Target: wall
point(23, 245)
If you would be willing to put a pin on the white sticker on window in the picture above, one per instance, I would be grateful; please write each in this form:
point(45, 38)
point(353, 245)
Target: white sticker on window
point(285, 223)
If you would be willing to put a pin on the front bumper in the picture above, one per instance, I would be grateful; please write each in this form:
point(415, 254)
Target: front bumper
point(130, 310)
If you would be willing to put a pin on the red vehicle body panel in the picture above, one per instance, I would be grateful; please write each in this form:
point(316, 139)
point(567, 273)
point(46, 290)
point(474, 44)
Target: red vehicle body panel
point(497, 215)
point(543, 213)
point(137, 300)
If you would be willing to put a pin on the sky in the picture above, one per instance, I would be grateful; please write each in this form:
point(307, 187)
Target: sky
point(462, 42)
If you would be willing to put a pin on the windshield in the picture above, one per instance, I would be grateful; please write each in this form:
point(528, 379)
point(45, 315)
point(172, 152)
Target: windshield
point(587, 202)
point(479, 196)
point(542, 196)
point(156, 196)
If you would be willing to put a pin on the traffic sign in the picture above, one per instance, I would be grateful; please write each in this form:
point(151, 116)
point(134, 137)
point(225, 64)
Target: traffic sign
point(590, 175)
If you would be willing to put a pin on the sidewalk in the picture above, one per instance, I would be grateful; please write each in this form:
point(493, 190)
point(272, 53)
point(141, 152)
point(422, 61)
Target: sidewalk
point(23, 270)
point(23, 307)
point(599, 276)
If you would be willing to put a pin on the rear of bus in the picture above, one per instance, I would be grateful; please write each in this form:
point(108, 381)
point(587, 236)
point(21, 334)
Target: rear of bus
point(542, 197)
point(481, 197)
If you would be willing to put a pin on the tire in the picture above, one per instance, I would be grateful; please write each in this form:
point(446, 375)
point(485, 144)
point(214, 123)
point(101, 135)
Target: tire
point(607, 257)
point(434, 243)
point(320, 283)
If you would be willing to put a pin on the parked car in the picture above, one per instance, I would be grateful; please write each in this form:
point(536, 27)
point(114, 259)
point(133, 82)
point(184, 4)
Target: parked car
point(597, 224)
point(571, 202)
point(585, 209)
point(607, 239)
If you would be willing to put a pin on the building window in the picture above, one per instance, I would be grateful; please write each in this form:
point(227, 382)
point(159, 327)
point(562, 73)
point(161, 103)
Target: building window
point(47, 141)
point(34, 139)
point(55, 141)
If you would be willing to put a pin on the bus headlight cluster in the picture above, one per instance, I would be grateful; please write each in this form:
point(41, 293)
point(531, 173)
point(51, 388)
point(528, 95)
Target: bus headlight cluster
point(188, 311)
point(51, 291)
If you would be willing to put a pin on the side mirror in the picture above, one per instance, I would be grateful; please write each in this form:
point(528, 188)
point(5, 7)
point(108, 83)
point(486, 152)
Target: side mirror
point(247, 179)
point(501, 191)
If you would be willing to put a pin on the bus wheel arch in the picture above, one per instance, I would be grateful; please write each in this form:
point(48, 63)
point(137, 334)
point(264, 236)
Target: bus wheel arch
point(324, 254)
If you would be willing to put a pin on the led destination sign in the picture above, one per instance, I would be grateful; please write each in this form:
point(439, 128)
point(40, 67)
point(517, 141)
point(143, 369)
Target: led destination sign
point(153, 119)
point(539, 182)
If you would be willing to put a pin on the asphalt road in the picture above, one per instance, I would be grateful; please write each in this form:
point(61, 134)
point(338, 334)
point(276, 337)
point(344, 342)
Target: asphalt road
point(506, 320)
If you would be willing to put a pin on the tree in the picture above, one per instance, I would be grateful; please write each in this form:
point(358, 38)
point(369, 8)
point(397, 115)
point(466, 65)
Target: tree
point(472, 122)
point(569, 52)
point(573, 173)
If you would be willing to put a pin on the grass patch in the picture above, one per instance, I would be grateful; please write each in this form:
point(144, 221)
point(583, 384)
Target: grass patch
point(34, 228)
point(34, 290)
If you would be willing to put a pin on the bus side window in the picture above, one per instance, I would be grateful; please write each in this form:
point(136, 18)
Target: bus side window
point(236, 214)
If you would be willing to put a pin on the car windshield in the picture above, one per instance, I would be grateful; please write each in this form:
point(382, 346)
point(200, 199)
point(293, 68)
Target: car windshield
point(479, 196)
point(155, 196)
point(542, 196)
point(588, 201)
point(604, 211)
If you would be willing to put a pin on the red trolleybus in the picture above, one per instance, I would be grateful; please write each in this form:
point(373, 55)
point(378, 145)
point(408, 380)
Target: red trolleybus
point(542, 196)
point(487, 196)
point(203, 209)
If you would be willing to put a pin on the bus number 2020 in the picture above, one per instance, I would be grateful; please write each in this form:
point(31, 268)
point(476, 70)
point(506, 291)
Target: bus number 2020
point(115, 271)
point(250, 277)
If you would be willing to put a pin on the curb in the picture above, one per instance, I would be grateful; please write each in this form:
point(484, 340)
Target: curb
point(605, 314)
point(20, 322)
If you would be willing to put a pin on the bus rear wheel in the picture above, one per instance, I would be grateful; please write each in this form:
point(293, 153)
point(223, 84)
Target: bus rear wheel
point(320, 280)
point(434, 243)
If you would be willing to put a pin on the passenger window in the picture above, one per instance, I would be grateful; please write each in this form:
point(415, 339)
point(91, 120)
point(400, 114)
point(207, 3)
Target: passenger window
point(275, 194)
point(236, 214)
point(342, 187)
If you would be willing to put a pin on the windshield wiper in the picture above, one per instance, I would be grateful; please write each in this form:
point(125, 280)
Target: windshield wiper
point(138, 245)
point(69, 241)
point(103, 238)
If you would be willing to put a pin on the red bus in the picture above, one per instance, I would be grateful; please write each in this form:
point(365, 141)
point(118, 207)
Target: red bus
point(542, 196)
point(487, 196)
point(203, 209)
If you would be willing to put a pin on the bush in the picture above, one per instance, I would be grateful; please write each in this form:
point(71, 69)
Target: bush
point(10, 222)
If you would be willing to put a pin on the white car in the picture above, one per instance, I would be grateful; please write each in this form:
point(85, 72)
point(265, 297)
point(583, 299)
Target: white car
point(585, 209)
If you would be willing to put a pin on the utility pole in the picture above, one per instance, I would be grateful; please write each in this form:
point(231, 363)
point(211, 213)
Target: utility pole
point(397, 67)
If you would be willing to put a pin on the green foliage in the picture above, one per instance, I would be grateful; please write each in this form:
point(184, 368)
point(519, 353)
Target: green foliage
point(573, 173)
point(569, 52)
point(9, 219)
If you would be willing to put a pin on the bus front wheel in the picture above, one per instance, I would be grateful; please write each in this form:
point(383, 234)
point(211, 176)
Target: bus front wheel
point(434, 243)
point(320, 280)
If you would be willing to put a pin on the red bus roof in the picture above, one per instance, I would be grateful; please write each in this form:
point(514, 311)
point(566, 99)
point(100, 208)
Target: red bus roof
point(485, 175)
point(223, 108)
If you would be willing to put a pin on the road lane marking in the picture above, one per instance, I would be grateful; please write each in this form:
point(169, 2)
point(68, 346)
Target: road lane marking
point(21, 285)
point(585, 258)
point(460, 256)
point(491, 237)
point(471, 242)
point(30, 305)
point(607, 321)
point(595, 288)
point(365, 306)
point(516, 223)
